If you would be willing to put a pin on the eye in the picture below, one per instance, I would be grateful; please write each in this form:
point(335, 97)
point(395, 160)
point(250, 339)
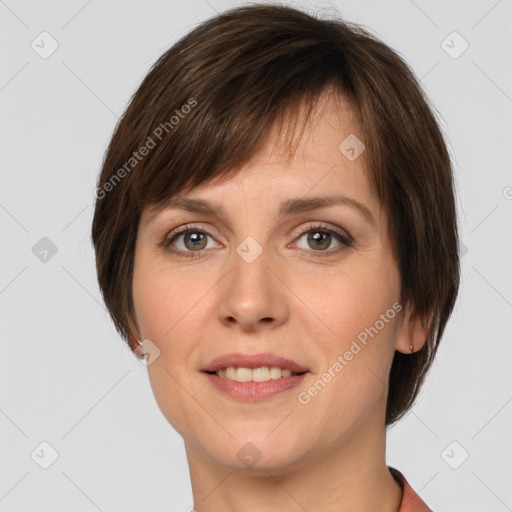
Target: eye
point(189, 241)
point(319, 237)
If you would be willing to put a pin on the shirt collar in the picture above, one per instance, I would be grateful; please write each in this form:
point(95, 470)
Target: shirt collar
point(411, 502)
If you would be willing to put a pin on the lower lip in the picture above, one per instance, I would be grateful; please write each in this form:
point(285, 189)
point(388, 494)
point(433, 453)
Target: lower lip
point(254, 391)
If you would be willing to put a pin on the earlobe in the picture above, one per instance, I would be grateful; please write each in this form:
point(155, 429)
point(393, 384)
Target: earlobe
point(413, 332)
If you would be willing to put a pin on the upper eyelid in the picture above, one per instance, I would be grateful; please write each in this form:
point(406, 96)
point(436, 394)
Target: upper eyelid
point(191, 227)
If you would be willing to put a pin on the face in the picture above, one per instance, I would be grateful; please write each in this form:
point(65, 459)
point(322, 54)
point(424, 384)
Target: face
point(317, 286)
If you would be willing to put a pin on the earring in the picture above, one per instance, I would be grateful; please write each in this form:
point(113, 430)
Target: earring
point(411, 348)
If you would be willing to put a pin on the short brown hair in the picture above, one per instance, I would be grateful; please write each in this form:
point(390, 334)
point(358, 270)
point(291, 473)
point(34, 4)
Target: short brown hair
point(244, 71)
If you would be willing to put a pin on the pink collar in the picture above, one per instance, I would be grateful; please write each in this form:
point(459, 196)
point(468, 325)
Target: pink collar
point(411, 502)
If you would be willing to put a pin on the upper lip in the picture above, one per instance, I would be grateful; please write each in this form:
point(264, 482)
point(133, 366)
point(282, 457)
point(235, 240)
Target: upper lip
point(253, 361)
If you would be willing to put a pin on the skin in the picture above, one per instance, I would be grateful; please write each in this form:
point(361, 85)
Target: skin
point(328, 454)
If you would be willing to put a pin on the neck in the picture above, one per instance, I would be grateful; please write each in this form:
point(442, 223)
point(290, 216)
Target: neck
point(352, 476)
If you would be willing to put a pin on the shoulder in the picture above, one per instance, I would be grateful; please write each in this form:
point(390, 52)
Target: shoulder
point(411, 502)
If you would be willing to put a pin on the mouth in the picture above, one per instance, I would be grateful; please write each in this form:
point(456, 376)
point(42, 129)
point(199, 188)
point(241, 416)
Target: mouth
point(254, 377)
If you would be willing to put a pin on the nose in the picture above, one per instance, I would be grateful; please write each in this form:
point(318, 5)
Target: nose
point(253, 295)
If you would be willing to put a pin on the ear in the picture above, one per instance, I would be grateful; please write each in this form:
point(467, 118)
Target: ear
point(413, 331)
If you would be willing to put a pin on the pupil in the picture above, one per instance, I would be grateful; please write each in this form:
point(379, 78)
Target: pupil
point(196, 239)
point(320, 238)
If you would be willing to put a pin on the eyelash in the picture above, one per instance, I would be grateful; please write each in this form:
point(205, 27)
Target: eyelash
point(346, 240)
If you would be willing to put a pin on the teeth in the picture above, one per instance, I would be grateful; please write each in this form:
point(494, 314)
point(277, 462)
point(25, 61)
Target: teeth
point(244, 374)
point(231, 373)
point(275, 373)
point(261, 374)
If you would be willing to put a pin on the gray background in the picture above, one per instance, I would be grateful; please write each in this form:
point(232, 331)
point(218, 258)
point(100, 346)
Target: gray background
point(67, 378)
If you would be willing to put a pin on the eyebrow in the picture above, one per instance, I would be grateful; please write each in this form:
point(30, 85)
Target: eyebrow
point(286, 208)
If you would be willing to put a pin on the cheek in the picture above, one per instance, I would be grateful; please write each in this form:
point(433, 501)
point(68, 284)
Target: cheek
point(361, 311)
point(149, 302)
point(160, 299)
point(352, 301)
point(164, 311)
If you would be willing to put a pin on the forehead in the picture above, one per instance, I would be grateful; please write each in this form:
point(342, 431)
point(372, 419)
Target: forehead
point(307, 154)
point(299, 157)
point(332, 118)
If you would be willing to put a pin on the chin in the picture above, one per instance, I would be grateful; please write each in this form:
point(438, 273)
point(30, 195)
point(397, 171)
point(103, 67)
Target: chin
point(259, 455)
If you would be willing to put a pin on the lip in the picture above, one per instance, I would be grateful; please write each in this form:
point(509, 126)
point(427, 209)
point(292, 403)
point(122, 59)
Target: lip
point(254, 391)
point(254, 361)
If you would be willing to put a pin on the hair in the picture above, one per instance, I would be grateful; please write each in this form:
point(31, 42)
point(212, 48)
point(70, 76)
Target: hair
point(206, 106)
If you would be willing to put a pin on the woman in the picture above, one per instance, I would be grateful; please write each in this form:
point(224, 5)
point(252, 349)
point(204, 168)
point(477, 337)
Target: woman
point(275, 233)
